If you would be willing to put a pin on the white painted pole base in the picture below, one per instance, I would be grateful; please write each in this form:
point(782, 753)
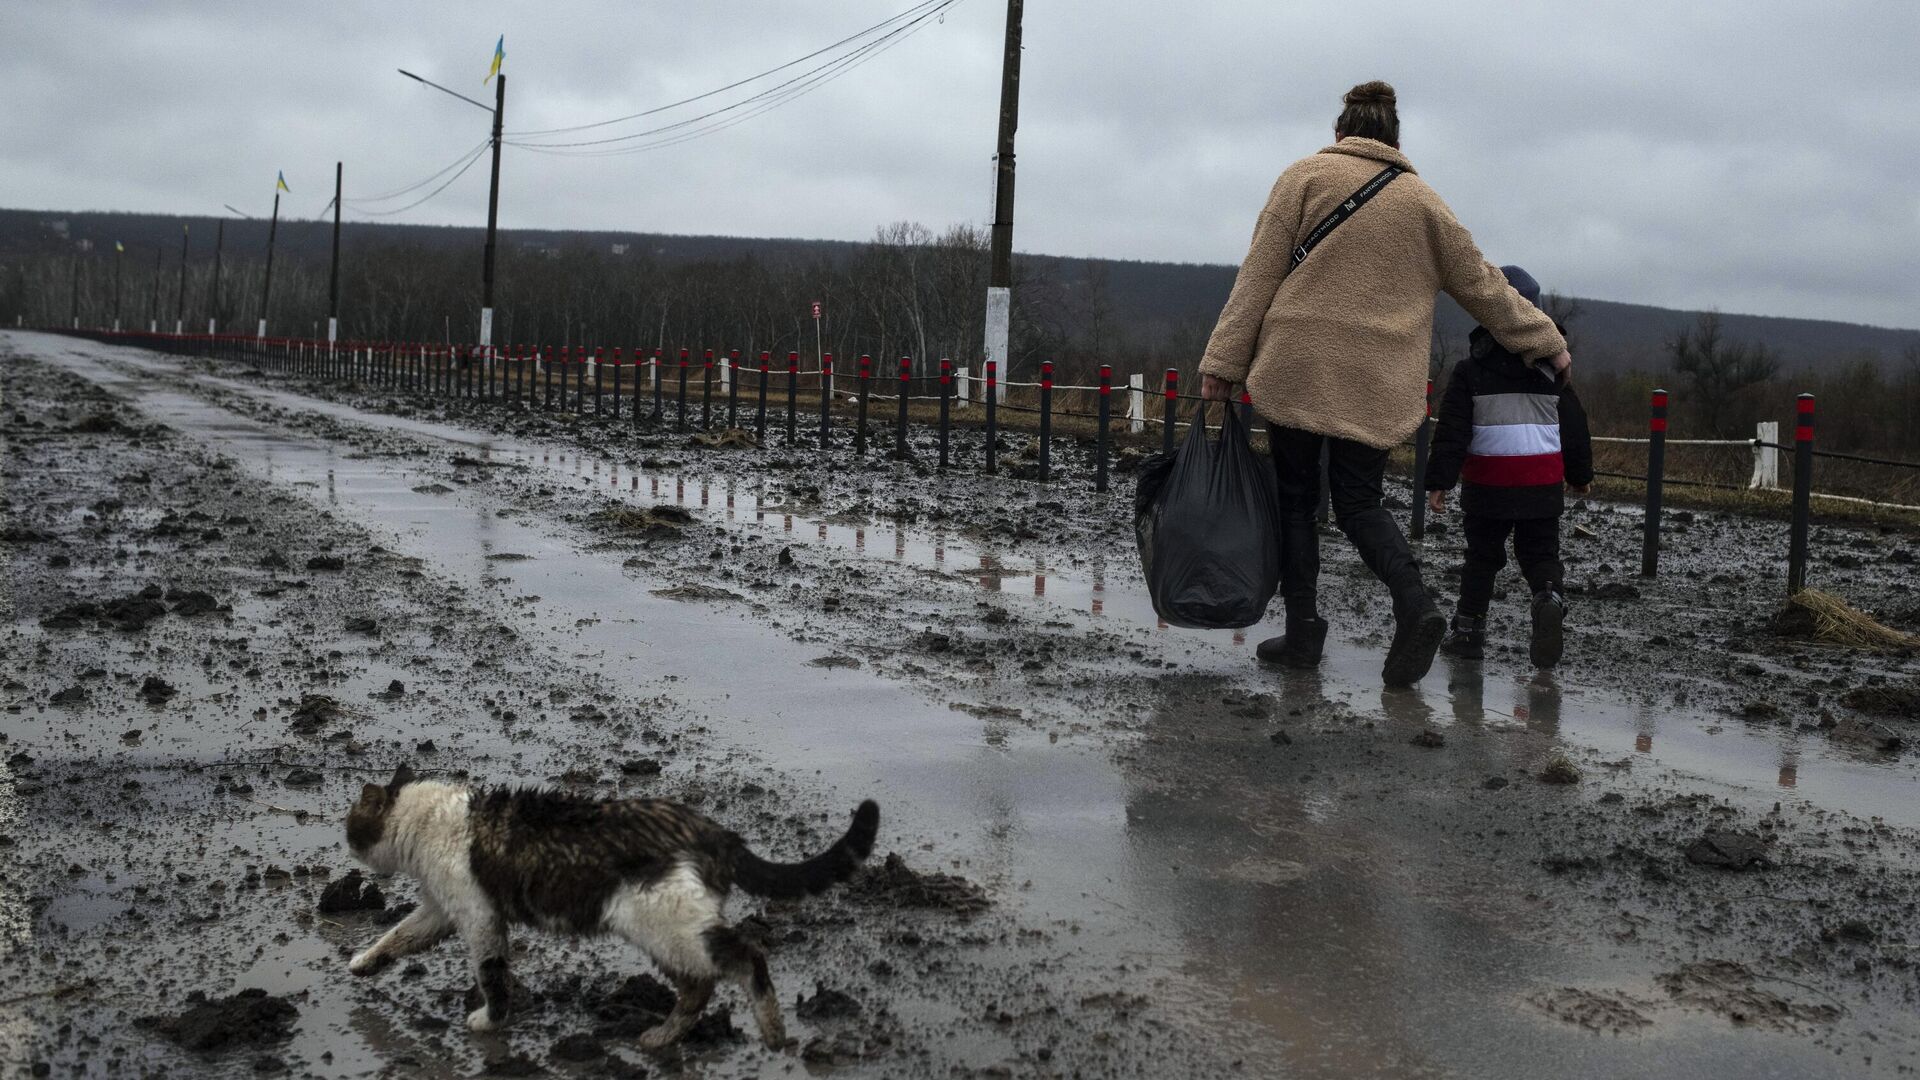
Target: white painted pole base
point(153, 326)
point(999, 323)
point(179, 327)
point(210, 328)
point(116, 326)
point(962, 388)
point(263, 329)
point(486, 326)
point(333, 329)
point(1137, 403)
point(1766, 460)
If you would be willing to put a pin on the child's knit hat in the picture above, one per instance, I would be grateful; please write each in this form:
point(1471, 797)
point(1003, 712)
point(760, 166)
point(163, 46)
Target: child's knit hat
point(1523, 284)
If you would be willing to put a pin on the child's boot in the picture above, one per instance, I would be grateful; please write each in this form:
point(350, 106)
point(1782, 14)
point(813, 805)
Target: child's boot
point(1466, 637)
point(1549, 611)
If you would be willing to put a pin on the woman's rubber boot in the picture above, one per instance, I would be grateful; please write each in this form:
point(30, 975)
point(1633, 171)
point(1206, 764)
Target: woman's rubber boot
point(1466, 638)
point(1548, 642)
point(1418, 628)
point(1299, 647)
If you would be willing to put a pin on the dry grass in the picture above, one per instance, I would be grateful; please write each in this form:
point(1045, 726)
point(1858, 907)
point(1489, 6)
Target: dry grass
point(1812, 615)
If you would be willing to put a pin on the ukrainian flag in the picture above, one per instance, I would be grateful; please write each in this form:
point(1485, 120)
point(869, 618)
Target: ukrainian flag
point(118, 246)
point(499, 54)
point(280, 182)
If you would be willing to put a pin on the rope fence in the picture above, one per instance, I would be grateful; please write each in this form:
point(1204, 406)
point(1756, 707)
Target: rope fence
point(609, 383)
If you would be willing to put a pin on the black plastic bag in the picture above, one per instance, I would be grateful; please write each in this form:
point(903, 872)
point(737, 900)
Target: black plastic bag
point(1208, 522)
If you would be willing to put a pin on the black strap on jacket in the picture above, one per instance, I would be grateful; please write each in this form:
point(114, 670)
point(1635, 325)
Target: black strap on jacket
point(1344, 211)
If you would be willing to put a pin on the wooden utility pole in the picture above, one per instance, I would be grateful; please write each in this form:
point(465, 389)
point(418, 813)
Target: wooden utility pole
point(333, 280)
point(493, 215)
point(119, 256)
point(213, 290)
point(266, 286)
point(73, 292)
point(180, 301)
point(1000, 278)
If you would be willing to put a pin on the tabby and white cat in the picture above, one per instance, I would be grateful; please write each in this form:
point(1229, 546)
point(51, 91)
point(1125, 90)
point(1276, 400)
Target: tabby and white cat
point(654, 872)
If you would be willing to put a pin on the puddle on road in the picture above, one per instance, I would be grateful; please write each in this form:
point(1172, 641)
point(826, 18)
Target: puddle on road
point(1073, 840)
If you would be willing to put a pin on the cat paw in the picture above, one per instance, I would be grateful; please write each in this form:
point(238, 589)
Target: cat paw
point(367, 963)
point(479, 1021)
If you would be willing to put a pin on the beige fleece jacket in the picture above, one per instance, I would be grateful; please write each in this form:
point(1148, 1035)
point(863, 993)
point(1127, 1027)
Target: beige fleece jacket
point(1340, 345)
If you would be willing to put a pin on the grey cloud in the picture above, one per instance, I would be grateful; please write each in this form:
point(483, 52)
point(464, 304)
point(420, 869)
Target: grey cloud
point(1754, 156)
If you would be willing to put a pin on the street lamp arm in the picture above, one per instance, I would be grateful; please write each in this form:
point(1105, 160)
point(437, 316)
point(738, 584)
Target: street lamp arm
point(444, 90)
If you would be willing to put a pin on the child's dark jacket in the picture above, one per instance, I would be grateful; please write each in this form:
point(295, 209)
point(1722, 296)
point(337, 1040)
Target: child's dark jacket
point(1510, 435)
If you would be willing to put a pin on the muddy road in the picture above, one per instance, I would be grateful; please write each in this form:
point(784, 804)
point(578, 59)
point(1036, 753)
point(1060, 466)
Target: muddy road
point(1108, 848)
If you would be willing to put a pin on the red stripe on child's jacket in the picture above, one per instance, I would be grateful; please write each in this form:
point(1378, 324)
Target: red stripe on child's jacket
point(1519, 471)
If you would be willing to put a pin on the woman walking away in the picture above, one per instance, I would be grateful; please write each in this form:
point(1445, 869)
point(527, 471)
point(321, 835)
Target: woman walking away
point(1329, 326)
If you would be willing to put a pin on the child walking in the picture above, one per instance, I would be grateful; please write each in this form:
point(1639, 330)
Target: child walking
point(1512, 435)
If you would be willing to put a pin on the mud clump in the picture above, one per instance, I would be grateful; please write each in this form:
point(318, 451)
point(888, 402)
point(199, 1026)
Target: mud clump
point(650, 521)
point(1729, 851)
point(1901, 701)
point(825, 1004)
point(156, 690)
point(726, 439)
point(894, 884)
point(1607, 1012)
point(351, 893)
point(1429, 739)
point(1559, 770)
point(191, 602)
point(1732, 990)
point(696, 593)
point(326, 562)
point(72, 695)
point(314, 712)
point(129, 613)
point(251, 1017)
point(578, 1046)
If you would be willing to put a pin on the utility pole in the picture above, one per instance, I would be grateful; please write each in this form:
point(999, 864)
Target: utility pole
point(74, 291)
point(153, 316)
point(266, 287)
point(333, 281)
point(119, 256)
point(180, 302)
point(1000, 278)
point(213, 290)
point(493, 216)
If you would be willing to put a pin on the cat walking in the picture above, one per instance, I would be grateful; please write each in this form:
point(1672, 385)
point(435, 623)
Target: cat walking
point(652, 871)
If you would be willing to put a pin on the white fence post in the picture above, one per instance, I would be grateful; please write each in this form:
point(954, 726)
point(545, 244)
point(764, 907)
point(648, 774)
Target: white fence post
point(962, 389)
point(1766, 459)
point(1137, 402)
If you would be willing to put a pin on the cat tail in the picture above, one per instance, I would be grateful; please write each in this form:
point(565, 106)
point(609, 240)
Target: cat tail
point(829, 868)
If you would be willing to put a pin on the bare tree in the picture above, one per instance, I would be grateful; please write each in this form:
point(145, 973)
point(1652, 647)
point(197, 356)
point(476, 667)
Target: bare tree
point(1718, 371)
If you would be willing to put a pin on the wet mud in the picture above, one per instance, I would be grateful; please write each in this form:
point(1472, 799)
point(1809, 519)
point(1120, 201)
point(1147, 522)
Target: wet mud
point(1113, 849)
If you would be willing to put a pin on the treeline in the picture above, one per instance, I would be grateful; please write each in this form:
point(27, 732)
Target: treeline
point(908, 292)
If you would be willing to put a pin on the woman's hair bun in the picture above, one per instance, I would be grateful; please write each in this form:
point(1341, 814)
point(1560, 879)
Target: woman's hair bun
point(1370, 93)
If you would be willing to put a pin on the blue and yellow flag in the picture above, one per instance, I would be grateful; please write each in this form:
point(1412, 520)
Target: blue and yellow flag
point(499, 54)
point(118, 246)
point(280, 182)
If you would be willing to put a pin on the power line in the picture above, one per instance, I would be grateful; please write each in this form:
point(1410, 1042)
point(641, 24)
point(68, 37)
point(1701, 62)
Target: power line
point(742, 82)
point(418, 184)
point(477, 154)
point(759, 103)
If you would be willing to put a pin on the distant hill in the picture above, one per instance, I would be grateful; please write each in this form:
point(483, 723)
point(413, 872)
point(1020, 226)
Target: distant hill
point(1142, 295)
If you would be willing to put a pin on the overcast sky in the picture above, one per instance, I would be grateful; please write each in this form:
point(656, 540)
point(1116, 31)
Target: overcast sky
point(1755, 156)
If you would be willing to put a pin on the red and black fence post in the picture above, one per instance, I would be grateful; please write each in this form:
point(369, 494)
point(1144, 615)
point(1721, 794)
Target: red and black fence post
point(826, 400)
point(946, 406)
point(993, 416)
point(580, 380)
point(900, 431)
point(1100, 437)
point(1046, 420)
point(733, 388)
point(599, 361)
point(706, 391)
point(616, 382)
point(682, 423)
point(793, 396)
point(1422, 440)
point(1172, 410)
point(548, 359)
point(1656, 483)
point(760, 423)
point(860, 414)
point(1802, 493)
